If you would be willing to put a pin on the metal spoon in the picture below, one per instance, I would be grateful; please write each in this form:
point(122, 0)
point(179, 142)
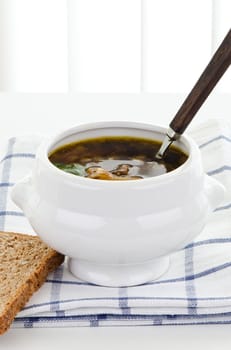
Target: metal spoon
point(217, 66)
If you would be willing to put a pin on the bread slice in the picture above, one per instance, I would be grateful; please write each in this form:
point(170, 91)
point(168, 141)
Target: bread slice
point(25, 262)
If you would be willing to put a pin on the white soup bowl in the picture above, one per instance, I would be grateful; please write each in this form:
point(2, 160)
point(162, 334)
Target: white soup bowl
point(117, 233)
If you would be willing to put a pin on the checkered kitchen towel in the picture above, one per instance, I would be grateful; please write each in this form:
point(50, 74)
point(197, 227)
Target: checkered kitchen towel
point(195, 290)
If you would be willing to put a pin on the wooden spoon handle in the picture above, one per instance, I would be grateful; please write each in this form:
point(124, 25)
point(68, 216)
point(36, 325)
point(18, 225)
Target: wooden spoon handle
point(205, 84)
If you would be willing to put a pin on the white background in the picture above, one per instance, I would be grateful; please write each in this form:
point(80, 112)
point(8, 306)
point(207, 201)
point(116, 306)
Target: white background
point(126, 338)
point(112, 46)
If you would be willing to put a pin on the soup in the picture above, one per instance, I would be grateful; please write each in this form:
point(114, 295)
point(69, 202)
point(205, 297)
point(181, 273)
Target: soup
point(116, 158)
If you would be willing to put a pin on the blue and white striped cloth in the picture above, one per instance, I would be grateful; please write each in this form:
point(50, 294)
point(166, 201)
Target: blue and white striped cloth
point(195, 290)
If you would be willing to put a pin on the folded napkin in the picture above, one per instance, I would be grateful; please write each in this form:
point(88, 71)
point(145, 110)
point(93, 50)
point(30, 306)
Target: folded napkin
point(195, 290)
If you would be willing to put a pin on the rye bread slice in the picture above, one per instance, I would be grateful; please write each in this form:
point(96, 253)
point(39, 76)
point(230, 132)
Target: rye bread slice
point(25, 262)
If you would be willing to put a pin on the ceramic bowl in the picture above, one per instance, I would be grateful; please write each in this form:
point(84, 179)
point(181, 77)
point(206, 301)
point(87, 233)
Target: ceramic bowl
point(117, 233)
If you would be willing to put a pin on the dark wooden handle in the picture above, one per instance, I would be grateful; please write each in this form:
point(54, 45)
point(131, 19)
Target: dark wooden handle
point(205, 84)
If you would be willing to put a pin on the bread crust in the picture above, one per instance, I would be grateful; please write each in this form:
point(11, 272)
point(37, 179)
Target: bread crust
point(32, 283)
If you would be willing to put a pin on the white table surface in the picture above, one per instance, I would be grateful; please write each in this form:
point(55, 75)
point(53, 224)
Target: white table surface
point(48, 114)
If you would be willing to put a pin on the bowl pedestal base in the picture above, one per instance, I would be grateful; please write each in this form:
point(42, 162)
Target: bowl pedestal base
point(118, 275)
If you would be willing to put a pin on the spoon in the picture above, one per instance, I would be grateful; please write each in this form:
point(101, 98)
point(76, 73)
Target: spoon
point(217, 66)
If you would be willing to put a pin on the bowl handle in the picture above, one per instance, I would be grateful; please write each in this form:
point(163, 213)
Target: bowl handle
point(21, 194)
point(215, 191)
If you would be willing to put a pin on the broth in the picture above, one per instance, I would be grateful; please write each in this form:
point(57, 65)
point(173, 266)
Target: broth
point(116, 158)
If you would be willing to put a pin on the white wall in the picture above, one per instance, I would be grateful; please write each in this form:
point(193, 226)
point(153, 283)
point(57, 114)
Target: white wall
point(105, 45)
point(33, 45)
point(109, 45)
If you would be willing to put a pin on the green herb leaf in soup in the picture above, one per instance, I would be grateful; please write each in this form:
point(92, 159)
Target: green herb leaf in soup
point(75, 169)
